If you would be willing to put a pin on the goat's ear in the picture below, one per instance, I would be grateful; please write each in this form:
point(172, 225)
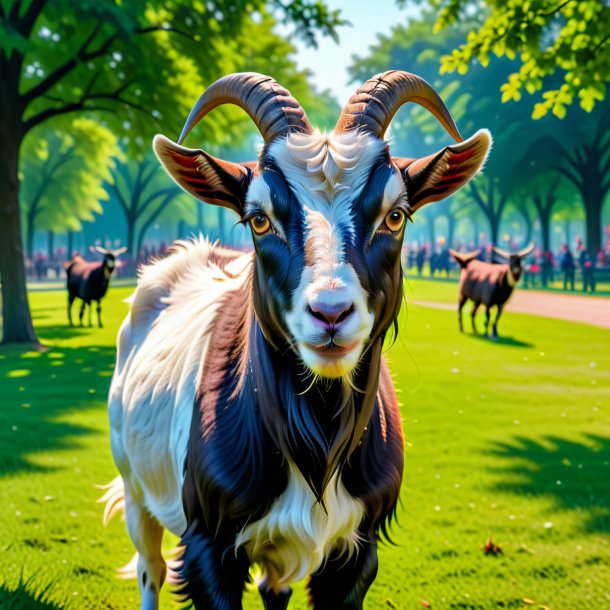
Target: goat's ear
point(439, 175)
point(210, 179)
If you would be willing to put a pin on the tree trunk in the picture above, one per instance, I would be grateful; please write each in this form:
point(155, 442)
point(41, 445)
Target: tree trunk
point(432, 232)
point(222, 226)
point(593, 215)
point(545, 231)
point(70, 244)
point(16, 317)
point(199, 218)
point(494, 228)
point(181, 228)
point(30, 232)
point(568, 229)
point(51, 246)
point(450, 229)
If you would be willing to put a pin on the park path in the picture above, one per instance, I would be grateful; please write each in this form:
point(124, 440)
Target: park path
point(573, 308)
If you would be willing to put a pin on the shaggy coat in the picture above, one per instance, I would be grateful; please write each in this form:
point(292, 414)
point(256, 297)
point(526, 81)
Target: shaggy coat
point(251, 410)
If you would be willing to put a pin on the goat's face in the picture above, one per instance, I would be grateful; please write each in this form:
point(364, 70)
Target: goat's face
point(515, 259)
point(327, 212)
point(110, 257)
point(515, 266)
point(327, 216)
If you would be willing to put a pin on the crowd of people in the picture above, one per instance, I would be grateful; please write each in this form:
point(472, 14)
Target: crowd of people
point(44, 267)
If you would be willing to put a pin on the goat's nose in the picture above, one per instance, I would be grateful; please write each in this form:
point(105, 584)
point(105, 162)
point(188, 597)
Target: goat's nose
point(331, 311)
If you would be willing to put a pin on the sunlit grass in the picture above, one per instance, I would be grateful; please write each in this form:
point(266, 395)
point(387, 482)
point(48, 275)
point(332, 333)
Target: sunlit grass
point(509, 441)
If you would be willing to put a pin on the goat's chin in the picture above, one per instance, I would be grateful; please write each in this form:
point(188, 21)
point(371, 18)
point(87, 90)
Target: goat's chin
point(329, 365)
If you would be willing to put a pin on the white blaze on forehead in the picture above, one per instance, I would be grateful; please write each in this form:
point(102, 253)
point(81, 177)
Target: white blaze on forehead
point(322, 244)
point(327, 172)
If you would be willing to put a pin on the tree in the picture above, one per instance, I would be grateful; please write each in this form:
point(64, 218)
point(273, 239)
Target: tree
point(566, 38)
point(585, 162)
point(134, 63)
point(62, 175)
point(143, 191)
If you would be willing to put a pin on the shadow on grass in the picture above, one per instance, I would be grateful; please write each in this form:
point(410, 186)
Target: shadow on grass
point(507, 341)
point(574, 475)
point(38, 389)
point(22, 597)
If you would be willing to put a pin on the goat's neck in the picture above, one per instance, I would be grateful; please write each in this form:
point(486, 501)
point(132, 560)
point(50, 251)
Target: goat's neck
point(316, 423)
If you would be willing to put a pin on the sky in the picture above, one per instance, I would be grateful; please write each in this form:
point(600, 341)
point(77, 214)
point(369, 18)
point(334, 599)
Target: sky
point(329, 62)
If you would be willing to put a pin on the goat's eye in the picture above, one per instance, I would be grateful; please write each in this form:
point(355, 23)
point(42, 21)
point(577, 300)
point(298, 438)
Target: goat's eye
point(394, 220)
point(260, 224)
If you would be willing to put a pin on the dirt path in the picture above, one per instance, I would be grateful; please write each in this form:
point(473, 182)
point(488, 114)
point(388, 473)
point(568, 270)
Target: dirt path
point(574, 308)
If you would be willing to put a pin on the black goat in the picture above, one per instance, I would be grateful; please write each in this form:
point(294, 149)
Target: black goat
point(487, 283)
point(89, 280)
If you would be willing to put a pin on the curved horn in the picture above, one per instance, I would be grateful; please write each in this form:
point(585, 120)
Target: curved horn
point(502, 253)
point(373, 106)
point(526, 251)
point(274, 111)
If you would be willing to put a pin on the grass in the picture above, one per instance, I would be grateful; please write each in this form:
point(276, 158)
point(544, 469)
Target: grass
point(508, 441)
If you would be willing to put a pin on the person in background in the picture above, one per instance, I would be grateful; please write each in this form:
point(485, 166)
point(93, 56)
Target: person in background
point(547, 262)
point(420, 258)
point(567, 267)
point(587, 267)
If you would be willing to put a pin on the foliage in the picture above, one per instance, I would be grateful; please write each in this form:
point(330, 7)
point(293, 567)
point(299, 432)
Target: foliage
point(63, 170)
point(497, 445)
point(568, 38)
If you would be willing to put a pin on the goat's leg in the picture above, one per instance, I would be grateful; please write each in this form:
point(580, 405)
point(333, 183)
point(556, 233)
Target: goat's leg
point(99, 314)
point(461, 304)
point(273, 600)
point(89, 303)
point(473, 313)
point(341, 584)
point(82, 312)
point(71, 298)
point(146, 534)
point(213, 572)
point(487, 316)
point(495, 326)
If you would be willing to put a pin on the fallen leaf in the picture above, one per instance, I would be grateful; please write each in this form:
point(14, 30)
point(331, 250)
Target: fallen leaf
point(491, 548)
point(528, 601)
point(424, 603)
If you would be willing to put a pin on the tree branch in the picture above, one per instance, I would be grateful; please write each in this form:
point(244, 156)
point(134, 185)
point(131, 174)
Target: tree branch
point(112, 188)
point(82, 105)
point(161, 28)
point(564, 171)
point(555, 10)
point(31, 15)
point(82, 55)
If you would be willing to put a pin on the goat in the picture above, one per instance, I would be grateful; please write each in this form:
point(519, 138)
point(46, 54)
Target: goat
point(89, 280)
point(251, 411)
point(487, 283)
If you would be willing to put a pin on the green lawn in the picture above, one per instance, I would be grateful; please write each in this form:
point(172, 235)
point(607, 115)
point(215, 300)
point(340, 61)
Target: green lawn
point(508, 440)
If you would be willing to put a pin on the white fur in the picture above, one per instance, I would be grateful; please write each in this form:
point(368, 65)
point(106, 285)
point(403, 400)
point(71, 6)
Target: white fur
point(326, 174)
point(161, 347)
point(296, 536)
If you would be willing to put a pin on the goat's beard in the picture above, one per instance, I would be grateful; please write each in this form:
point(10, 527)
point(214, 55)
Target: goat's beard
point(331, 365)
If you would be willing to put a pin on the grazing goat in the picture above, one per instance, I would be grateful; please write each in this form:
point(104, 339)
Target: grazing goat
point(89, 281)
point(251, 411)
point(487, 283)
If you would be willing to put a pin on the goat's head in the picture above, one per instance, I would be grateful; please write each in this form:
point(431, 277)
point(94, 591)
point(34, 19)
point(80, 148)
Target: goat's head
point(110, 256)
point(327, 212)
point(514, 259)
